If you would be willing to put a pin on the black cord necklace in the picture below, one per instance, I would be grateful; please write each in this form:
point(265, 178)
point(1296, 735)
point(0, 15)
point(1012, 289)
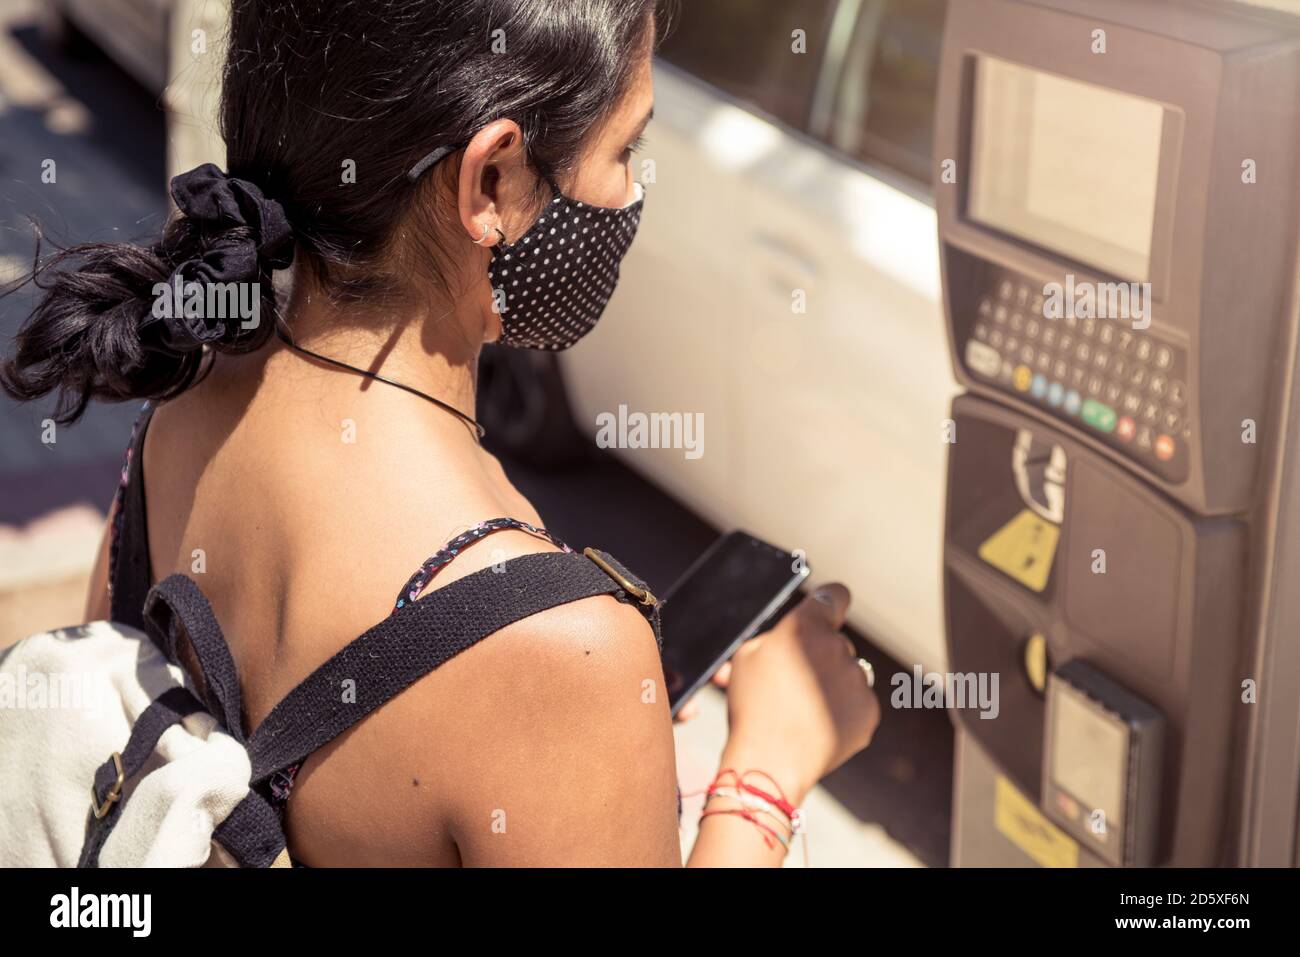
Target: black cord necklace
point(472, 423)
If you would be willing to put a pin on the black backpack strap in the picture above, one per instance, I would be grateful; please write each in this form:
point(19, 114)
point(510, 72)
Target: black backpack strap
point(416, 639)
point(176, 613)
point(169, 708)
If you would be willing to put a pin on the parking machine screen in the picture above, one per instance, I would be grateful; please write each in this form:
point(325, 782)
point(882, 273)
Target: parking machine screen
point(1065, 165)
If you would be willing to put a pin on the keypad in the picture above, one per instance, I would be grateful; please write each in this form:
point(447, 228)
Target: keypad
point(1123, 385)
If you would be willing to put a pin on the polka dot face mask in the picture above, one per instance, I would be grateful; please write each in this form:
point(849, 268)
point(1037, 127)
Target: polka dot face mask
point(551, 285)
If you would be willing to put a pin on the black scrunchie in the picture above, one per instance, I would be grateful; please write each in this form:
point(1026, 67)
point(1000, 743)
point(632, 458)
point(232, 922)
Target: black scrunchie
point(216, 201)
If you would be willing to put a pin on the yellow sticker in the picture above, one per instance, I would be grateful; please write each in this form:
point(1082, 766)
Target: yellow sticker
point(1023, 548)
point(1020, 822)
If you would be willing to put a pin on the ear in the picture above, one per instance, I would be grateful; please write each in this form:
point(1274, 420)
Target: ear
point(496, 183)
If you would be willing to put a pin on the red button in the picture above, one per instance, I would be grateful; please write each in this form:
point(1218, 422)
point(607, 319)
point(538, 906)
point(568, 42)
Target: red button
point(1126, 428)
point(1164, 448)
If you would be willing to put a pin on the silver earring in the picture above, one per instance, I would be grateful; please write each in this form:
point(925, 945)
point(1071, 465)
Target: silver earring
point(479, 241)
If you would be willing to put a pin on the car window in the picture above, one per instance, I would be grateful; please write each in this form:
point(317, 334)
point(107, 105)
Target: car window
point(746, 48)
point(885, 93)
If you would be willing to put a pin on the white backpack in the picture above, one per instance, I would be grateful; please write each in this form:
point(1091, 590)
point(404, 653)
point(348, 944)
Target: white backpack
point(69, 700)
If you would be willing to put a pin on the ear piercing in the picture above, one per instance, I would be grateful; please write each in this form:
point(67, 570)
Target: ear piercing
point(480, 241)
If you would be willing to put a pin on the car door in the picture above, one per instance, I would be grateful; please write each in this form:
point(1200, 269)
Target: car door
point(669, 342)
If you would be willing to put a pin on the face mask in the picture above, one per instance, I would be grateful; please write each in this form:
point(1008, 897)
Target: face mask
point(552, 284)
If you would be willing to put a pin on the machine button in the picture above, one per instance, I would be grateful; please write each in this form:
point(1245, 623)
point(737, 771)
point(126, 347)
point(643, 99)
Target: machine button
point(1017, 322)
point(1159, 386)
point(1084, 352)
point(1060, 369)
point(1096, 384)
point(1119, 367)
point(1077, 376)
point(1099, 415)
point(1138, 376)
point(1165, 448)
point(1022, 296)
point(1100, 359)
point(1125, 341)
point(1027, 355)
point(1089, 327)
point(1049, 337)
point(1055, 393)
point(1150, 411)
point(1177, 392)
point(1132, 403)
point(1143, 350)
point(985, 307)
point(1005, 289)
point(1144, 438)
point(1106, 334)
point(1072, 402)
point(1044, 359)
point(1036, 307)
point(982, 358)
point(1126, 428)
point(1164, 357)
point(1031, 328)
point(1113, 391)
point(1000, 314)
point(1022, 378)
point(1013, 344)
point(1067, 343)
point(1172, 421)
point(1038, 388)
point(996, 338)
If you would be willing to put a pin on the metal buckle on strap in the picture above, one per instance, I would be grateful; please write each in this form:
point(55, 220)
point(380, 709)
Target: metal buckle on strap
point(642, 595)
point(114, 793)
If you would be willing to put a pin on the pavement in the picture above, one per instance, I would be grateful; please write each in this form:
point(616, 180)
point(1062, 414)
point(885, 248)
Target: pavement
point(887, 807)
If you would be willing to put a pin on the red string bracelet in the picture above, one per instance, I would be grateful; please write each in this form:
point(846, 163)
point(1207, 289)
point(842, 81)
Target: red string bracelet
point(779, 801)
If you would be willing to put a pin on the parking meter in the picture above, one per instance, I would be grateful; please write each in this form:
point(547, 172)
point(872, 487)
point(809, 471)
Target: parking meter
point(1117, 205)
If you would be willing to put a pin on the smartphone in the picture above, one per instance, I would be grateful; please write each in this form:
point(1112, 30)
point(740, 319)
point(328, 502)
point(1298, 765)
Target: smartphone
point(728, 595)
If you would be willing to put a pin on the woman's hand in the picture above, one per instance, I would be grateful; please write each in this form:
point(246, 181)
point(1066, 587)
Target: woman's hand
point(799, 704)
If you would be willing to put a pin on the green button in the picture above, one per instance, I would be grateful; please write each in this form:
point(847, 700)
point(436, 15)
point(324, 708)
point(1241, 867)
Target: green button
point(1099, 415)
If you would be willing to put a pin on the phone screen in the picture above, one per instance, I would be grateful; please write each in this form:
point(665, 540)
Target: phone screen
point(725, 598)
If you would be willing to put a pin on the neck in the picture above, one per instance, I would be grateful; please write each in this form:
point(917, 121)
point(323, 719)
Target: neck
point(429, 348)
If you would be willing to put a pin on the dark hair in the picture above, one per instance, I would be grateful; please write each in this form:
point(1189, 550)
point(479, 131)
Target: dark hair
point(308, 85)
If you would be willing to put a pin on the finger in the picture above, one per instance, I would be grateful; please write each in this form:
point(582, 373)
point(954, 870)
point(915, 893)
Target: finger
point(829, 604)
point(687, 711)
point(722, 677)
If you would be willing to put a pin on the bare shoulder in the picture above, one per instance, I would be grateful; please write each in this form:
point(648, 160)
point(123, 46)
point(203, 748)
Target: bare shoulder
point(550, 743)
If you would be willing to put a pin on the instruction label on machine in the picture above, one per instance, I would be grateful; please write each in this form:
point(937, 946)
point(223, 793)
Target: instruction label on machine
point(1020, 822)
point(1023, 548)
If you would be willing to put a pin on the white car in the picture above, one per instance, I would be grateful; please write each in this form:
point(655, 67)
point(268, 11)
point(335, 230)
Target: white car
point(778, 182)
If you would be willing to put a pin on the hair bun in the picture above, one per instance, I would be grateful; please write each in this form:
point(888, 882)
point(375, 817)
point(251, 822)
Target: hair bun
point(235, 235)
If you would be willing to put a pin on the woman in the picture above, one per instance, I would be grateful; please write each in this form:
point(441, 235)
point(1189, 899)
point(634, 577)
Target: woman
point(420, 163)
